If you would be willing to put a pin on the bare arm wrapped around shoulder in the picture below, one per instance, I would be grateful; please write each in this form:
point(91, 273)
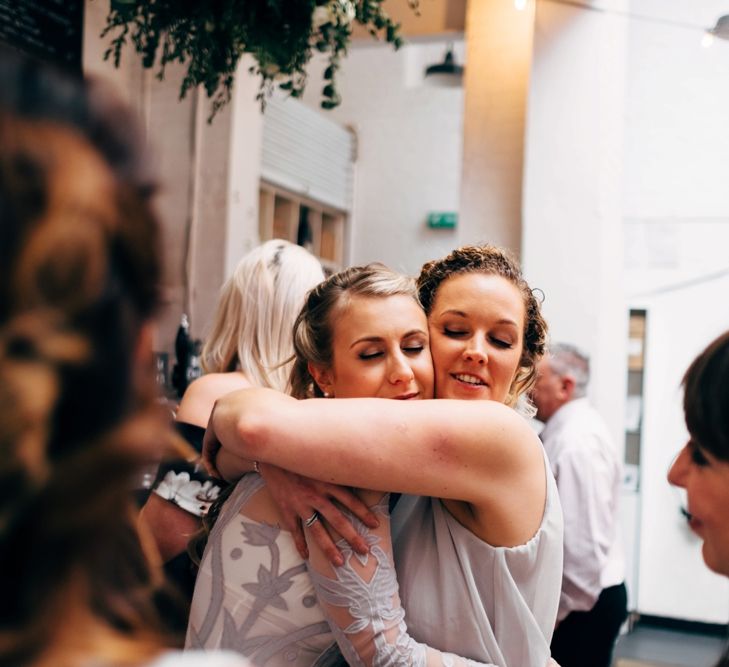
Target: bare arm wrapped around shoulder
point(478, 452)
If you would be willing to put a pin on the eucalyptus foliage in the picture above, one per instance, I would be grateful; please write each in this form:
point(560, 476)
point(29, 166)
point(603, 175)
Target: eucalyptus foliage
point(210, 36)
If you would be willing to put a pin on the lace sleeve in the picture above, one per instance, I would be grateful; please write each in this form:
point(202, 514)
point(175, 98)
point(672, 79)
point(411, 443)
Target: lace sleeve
point(362, 604)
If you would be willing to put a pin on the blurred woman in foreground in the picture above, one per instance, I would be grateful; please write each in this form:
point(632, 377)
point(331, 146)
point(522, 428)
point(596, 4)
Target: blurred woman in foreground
point(79, 268)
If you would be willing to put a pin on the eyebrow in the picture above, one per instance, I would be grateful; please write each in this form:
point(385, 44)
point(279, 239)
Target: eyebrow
point(376, 339)
point(460, 313)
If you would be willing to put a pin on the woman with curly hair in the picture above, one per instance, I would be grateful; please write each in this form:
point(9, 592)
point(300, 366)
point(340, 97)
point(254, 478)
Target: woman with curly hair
point(478, 538)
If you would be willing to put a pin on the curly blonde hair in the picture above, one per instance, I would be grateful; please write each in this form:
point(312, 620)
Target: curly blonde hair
point(491, 260)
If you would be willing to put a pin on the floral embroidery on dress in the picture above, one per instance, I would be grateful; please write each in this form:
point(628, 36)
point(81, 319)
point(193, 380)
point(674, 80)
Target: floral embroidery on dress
point(250, 605)
point(254, 596)
point(373, 632)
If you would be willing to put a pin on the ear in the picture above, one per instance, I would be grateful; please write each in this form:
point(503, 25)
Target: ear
point(323, 378)
point(567, 387)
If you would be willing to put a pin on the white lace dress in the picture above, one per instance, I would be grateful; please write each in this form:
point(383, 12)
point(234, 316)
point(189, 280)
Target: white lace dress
point(254, 595)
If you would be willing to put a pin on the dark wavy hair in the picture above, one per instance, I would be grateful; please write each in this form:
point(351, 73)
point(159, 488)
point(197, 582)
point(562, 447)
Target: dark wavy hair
point(706, 398)
point(706, 407)
point(492, 260)
point(79, 275)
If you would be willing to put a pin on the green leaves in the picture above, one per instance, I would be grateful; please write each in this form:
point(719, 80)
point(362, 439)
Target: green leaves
point(211, 37)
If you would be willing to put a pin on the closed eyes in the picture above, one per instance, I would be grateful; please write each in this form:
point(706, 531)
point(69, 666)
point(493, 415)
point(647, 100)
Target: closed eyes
point(411, 350)
point(498, 342)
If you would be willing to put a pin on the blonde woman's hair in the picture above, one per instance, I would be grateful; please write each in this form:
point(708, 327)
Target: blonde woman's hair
point(256, 311)
point(314, 328)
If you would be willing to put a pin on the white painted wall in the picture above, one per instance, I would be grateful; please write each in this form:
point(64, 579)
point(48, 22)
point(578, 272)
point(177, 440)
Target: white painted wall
point(572, 234)
point(245, 167)
point(626, 169)
point(208, 175)
point(673, 580)
point(676, 222)
point(409, 151)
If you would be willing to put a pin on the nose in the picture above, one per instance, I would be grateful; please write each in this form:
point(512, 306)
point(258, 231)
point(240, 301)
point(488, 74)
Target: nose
point(400, 370)
point(475, 350)
point(679, 468)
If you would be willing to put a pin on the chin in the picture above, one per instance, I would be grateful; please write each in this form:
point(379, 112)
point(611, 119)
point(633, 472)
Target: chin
point(714, 562)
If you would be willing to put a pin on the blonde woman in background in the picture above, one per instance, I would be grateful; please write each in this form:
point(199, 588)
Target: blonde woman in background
point(250, 340)
point(249, 346)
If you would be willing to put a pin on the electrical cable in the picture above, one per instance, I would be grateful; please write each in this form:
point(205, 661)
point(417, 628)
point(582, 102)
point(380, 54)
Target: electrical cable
point(628, 14)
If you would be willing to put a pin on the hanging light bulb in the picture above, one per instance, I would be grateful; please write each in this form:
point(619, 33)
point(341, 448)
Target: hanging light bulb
point(707, 40)
point(520, 5)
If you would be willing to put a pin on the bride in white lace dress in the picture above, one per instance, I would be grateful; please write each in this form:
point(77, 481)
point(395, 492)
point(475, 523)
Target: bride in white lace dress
point(485, 589)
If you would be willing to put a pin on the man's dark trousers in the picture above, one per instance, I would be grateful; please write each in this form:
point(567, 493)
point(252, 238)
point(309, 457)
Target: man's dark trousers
point(587, 638)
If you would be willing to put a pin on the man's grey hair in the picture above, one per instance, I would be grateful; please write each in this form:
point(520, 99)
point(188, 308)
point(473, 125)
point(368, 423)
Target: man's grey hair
point(566, 359)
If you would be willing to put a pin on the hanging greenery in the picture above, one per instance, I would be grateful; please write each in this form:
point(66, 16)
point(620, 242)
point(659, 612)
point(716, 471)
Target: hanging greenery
point(210, 36)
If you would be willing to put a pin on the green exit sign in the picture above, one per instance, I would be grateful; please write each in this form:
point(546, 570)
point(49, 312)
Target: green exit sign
point(442, 220)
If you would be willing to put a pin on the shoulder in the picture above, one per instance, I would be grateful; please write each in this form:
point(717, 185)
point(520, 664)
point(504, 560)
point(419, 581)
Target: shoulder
point(520, 438)
point(575, 424)
point(582, 449)
point(199, 398)
point(496, 419)
point(515, 448)
point(487, 435)
point(218, 384)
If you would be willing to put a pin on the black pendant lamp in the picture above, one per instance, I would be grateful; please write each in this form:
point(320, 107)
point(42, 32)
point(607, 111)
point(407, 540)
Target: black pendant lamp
point(448, 73)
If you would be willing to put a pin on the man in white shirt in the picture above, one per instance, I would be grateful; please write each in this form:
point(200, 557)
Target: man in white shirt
point(584, 460)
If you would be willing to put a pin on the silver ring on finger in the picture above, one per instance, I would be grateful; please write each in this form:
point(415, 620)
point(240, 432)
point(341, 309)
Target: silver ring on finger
point(312, 519)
